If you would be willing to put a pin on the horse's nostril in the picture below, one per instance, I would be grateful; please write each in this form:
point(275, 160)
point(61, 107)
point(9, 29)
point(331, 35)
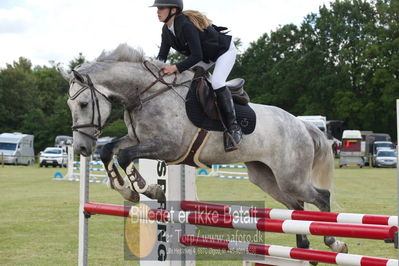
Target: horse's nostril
point(83, 150)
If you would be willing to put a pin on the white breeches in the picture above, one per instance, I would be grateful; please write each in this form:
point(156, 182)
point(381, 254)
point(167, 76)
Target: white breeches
point(223, 66)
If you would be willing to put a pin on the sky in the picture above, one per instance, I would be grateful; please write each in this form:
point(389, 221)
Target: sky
point(58, 30)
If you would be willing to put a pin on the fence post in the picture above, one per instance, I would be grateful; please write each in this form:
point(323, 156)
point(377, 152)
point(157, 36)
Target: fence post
point(83, 219)
point(397, 162)
point(71, 159)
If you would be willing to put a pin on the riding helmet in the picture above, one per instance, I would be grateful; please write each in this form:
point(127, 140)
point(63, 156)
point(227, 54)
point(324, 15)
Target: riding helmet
point(168, 3)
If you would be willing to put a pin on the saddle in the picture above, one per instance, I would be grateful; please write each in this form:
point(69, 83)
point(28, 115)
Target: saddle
point(206, 96)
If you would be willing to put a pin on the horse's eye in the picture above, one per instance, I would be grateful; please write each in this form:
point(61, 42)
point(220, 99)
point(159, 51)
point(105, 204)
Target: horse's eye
point(83, 104)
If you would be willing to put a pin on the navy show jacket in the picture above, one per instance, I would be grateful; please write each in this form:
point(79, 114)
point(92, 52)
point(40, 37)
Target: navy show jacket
point(196, 45)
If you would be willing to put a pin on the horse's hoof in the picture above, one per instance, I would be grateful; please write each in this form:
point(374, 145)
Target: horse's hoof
point(130, 195)
point(339, 246)
point(345, 248)
point(314, 262)
point(155, 191)
point(134, 197)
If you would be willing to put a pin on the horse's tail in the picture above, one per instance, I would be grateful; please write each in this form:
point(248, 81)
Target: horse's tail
point(323, 162)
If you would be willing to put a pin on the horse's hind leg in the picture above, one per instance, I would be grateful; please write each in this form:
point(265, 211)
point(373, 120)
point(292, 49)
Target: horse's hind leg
point(262, 176)
point(302, 190)
point(323, 203)
point(324, 206)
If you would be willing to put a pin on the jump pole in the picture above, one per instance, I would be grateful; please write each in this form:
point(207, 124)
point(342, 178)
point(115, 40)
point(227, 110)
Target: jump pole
point(236, 210)
point(263, 224)
point(274, 254)
point(286, 252)
point(71, 174)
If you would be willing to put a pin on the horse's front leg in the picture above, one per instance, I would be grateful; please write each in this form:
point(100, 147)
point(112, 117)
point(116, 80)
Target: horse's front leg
point(155, 149)
point(115, 180)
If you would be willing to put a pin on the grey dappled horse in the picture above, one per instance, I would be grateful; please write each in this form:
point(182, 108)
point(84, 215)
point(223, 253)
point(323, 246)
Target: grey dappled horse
point(289, 159)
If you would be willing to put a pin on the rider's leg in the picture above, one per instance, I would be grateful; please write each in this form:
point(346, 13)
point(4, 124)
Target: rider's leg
point(233, 135)
point(223, 66)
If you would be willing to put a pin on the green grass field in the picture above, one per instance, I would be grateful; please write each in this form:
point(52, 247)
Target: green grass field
point(39, 216)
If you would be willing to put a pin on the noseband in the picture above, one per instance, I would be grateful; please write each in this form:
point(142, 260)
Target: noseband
point(94, 100)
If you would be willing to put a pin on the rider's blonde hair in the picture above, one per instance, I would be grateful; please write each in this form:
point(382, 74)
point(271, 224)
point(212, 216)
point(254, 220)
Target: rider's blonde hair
point(199, 20)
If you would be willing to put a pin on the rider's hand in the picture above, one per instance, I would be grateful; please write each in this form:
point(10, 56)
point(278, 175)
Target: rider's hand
point(169, 70)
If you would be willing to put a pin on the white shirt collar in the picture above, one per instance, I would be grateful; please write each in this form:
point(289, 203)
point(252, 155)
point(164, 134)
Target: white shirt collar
point(172, 28)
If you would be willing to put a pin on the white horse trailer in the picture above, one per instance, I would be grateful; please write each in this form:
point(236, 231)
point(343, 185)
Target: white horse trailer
point(16, 148)
point(351, 150)
point(319, 121)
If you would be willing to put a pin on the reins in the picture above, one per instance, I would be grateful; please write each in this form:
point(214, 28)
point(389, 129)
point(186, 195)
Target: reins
point(159, 78)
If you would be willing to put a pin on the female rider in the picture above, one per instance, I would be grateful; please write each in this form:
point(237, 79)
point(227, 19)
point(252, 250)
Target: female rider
point(192, 34)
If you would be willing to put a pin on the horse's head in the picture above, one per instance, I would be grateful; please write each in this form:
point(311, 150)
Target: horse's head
point(123, 75)
point(90, 107)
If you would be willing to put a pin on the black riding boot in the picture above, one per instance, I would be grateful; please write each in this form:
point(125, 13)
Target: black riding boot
point(233, 135)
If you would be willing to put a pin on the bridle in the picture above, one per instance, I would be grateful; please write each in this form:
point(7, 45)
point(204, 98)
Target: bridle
point(128, 107)
point(94, 100)
point(159, 77)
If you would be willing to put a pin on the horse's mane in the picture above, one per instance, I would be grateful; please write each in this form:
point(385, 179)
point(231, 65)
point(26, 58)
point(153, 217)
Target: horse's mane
point(122, 53)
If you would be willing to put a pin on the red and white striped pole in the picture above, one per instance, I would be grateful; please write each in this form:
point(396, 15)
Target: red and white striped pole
point(263, 224)
point(287, 252)
point(236, 210)
point(107, 209)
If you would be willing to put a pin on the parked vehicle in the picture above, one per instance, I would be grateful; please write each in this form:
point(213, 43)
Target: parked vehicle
point(63, 142)
point(381, 145)
point(369, 141)
point(351, 154)
point(53, 156)
point(335, 128)
point(100, 143)
point(377, 145)
point(317, 120)
point(17, 148)
point(386, 158)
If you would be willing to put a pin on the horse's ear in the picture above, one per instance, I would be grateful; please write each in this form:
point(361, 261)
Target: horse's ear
point(78, 76)
point(64, 74)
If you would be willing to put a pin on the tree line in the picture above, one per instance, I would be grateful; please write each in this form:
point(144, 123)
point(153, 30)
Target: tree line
point(342, 62)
